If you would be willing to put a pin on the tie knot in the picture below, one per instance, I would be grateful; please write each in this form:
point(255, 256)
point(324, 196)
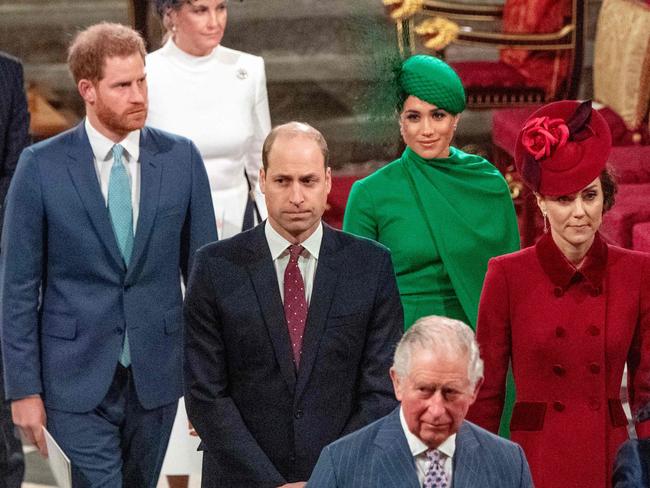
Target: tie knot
point(294, 251)
point(435, 456)
point(118, 150)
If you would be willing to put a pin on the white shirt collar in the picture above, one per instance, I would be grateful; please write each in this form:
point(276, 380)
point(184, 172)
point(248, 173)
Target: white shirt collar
point(278, 244)
point(417, 447)
point(102, 146)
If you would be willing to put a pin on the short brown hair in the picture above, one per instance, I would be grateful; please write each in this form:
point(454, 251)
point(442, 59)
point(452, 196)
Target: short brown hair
point(293, 129)
point(610, 187)
point(91, 47)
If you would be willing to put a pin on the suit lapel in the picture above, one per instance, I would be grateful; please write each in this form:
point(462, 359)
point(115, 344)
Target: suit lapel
point(265, 283)
point(467, 459)
point(327, 273)
point(394, 461)
point(150, 181)
point(84, 177)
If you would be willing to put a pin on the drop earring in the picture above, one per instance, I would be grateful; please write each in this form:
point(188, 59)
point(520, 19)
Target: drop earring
point(545, 221)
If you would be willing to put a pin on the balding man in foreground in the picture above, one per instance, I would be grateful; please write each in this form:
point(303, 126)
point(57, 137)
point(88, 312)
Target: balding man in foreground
point(290, 329)
point(436, 373)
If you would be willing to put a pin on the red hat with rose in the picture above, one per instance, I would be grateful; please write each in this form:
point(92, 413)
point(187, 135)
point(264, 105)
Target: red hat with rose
point(562, 147)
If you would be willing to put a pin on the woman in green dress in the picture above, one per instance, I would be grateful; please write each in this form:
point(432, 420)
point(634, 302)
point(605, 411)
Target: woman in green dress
point(443, 213)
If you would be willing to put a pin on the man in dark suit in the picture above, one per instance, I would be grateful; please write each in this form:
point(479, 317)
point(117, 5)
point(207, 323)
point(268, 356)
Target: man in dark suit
point(100, 223)
point(632, 465)
point(289, 329)
point(436, 373)
point(14, 137)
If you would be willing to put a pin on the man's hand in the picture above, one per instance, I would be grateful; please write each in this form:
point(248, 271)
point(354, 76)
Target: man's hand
point(29, 415)
point(298, 484)
point(192, 430)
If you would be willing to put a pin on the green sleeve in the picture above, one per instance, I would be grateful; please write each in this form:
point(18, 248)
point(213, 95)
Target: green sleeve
point(359, 216)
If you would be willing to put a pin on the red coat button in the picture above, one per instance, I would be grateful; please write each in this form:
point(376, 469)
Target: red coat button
point(560, 332)
point(559, 370)
point(593, 330)
point(558, 291)
point(594, 403)
point(595, 291)
point(558, 406)
point(594, 368)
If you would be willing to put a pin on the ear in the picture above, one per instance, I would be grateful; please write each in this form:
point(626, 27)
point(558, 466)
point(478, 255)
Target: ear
point(541, 202)
point(87, 90)
point(456, 119)
point(328, 179)
point(477, 387)
point(262, 179)
point(397, 384)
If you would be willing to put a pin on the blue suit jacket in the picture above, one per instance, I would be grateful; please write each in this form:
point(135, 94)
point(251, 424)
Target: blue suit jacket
point(14, 121)
point(379, 455)
point(67, 296)
point(261, 422)
point(632, 466)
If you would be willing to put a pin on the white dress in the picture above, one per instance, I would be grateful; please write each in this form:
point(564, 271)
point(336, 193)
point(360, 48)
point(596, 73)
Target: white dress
point(219, 101)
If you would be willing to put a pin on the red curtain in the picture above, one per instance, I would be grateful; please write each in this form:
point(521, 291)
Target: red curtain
point(540, 68)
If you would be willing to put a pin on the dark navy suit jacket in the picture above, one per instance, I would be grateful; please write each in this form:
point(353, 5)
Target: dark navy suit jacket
point(261, 423)
point(67, 296)
point(379, 456)
point(14, 121)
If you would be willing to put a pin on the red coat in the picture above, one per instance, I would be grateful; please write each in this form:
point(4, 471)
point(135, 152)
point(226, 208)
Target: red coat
point(569, 335)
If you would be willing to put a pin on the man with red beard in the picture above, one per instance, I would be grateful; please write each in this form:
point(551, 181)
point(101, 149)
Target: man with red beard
point(100, 222)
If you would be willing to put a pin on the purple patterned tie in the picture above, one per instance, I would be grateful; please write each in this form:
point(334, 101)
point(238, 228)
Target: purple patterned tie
point(295, 304)
point(436, 476)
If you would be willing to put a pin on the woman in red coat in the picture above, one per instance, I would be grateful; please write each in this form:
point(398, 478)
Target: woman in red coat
point(568, 312)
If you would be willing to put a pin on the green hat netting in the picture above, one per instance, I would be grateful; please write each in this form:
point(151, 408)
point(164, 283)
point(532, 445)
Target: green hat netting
point(434, 81)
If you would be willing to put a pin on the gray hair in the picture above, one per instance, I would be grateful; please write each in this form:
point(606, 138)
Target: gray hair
point(294, 129)
point(444, 336)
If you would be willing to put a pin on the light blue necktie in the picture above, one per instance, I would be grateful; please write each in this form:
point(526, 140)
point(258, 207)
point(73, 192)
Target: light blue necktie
point(121, 212)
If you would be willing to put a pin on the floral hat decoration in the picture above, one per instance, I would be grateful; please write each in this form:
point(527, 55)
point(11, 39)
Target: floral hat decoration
point(562, 147)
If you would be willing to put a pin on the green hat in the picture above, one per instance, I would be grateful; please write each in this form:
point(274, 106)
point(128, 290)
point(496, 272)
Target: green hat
point(434, 81)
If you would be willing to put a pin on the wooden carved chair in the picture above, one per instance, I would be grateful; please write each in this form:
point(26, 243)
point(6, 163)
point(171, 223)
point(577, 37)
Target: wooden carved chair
point(540, 45)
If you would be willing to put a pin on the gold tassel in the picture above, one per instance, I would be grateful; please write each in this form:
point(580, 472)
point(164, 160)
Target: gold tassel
point(403, 9)
point(439, 32)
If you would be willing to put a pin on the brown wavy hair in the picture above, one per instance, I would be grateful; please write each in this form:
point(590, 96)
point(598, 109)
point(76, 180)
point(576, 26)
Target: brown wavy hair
point(91, 47)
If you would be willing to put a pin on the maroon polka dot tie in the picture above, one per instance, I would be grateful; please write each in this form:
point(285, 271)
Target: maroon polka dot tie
point(435, 476)
point(295, 304)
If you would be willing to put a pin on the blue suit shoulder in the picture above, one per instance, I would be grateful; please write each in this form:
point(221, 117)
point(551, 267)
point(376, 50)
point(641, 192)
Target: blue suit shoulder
point(365, 436)
point(487, 437)
point(358, 243)
point(9, 61)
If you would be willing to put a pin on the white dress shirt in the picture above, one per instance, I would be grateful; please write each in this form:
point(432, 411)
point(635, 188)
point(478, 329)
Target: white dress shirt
point(419, 451)
point(102, 148)
point(306, 263)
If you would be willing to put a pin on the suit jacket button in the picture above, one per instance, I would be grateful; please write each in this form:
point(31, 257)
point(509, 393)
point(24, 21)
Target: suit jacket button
point(595, 291)
point(593, 330)
point(594, 368)
point(558, 406)
point(560, 332)
point(594, 403)
point(559, 370)
point(298, 414)
point(119, 330)
point(558, 291)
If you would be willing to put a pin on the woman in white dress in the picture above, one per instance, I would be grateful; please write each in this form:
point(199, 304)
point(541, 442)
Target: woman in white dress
point(217, 97)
